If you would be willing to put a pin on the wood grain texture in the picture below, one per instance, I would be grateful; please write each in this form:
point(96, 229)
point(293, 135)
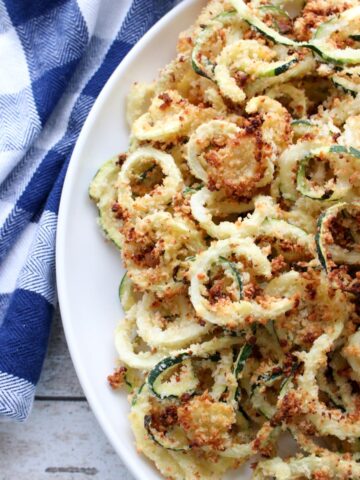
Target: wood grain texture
point(62, 439)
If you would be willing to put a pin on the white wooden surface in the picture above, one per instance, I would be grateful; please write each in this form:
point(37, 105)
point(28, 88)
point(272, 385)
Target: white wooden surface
point(62, 439)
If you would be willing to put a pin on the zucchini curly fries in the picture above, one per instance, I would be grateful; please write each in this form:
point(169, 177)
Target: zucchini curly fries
point(237, 212)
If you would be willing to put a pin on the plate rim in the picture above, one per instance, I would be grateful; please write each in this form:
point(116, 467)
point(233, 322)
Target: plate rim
point(130, 463)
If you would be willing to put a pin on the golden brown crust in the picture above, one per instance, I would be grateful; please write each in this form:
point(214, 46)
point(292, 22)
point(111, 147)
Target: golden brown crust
point(206, 422)
point(228, 162)
point(315, 13)
point(246, 377)
point(117, 379)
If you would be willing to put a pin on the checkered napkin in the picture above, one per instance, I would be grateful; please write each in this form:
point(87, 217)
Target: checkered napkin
point(55, 57)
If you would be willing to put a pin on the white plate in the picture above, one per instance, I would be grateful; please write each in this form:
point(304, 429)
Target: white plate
point(89, 268)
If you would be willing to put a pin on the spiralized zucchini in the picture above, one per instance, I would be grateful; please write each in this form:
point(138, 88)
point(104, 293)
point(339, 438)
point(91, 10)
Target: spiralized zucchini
point(200, 202)
point(168, 324)
point(326, 421)
point(329, 466)
point(331, 39)
point(139, 100)
point(165, 119)
point(254, 61)
point(338, 248)
point(295, 98)
point(276, 122)
point(348, 80)
point(206, 205)
point(289, 167)
point(138, 168)
point(329, 180)
point(304, 66)
point(124, 342)
point(229, 308)
point(103, 192)
point(222, 29)
point(201, 140)
point(225, 156)
point(237, 211)
point(157, 250)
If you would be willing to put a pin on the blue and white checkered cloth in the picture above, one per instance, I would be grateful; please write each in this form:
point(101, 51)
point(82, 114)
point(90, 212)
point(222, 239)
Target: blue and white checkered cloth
point(55, 57)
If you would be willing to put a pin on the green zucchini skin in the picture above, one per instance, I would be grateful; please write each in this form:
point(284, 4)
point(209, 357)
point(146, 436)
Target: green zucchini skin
point(205, 67)
point(319, 238)
point(239, 365)
point(332, 268)
point(261, 27)
point(301, 122)
point(103, 193)
point(318, 243)
point(236, 273)
point(122, 286)
point(319, 43)
point(277, 11)
point(354, 152)
point(198, 68)
point(240, 361)
point(329, 59)
point(286, 380)
point(345, 85)
point(270, 36)
point(285, 67)
point(161, 440)
point(191, 190)
point(269, 377)
point(274, 8)
point(162, 367)
point(324, 55)
point(301, 181)
point(126, 293)
point(301, 127)
point(135, 397)
point(266, 378)
point(262, 379)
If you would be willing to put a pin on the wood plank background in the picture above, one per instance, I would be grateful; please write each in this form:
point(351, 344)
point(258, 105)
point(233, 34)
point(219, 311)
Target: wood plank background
point(62, 439)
